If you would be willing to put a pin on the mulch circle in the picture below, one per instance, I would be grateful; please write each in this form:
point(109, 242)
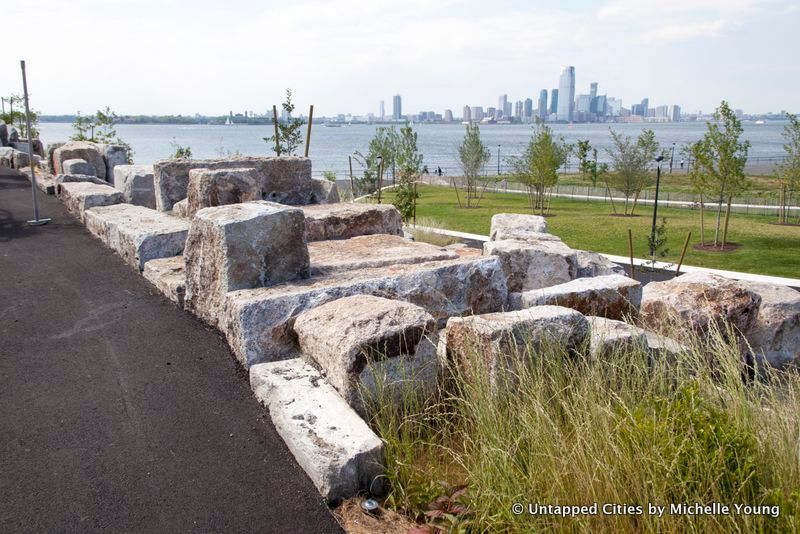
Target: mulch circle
point(623, 215)
point(729, 247)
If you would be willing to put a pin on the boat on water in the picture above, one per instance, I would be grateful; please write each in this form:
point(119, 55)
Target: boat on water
point(760, 122)
point(332, 125)
point(229, 122)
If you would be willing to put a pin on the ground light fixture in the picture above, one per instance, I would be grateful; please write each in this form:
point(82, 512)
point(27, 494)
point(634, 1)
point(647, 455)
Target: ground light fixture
point(659, 159)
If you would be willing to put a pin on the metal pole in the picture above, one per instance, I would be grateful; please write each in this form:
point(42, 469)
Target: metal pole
point(498, 160)
point(352, 186)
point(655, 212)
point(36, 220)
point(630, 252)
point(672, 158)
point(308, 134)
point(380, 180)
point(277, 139)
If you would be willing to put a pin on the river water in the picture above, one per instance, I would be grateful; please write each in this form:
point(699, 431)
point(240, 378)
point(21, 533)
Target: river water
point(437, 142)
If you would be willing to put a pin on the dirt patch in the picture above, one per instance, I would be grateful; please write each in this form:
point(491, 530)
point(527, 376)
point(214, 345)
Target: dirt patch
point(355, 521)
point(784, 224)
point(623, 215)
point(729, 247)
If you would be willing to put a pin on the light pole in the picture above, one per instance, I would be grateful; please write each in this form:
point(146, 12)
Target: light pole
point(655, 208)
point(498, 160)
point(380, 177)
point(672, 158)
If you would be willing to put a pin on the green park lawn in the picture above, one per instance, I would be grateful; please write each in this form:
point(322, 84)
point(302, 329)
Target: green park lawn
point(765, 247)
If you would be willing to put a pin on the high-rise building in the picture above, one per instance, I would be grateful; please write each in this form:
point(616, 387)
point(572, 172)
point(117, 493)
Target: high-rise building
point(543, 105)
point(554, 101)
point(642, 109)
point(593, 90)
point(501, 103)
point(397, 107)
point(382, 112)
point(448, 115)
point(467, 114)
point(507, 109)
point(613, 106)
point(566, 94)
point(518, 108)
point(599, 105)
point(583, 103)
point(493, 113)
point(675, 113)
point(528, 109)
point(477, 113)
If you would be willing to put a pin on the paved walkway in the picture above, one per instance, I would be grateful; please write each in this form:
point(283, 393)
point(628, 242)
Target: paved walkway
point(118, 411)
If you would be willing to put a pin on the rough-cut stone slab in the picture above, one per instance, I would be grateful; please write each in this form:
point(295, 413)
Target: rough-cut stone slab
point(78, 166)
point(3, 134)
point(340, 453)
point(258, 322)
point(181, 209)
point(169, 277)
point(698, 299)
point(81, 196)
point(44, 181)
point(368, 251)
point(219, 187)
point(499, 340)
point(533, 265)
point(594, 264)
point(6, 157)
point(663, 347)
point(13, 134)
point(609, 336)
point(20, 159)
point(325, 191)
point(346, 220)
point(517, 226)
point(613, 296)
point(286, 180)
point(79, 150)
point(136, 184)
point(51, 148)
point(74, 178)
point(775, 334)
point(113, 155)
point(242, 246)
point(136, 233)
point(347, 335)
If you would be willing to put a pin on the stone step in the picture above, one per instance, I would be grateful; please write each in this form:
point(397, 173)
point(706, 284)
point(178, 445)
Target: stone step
point(258, 322)
point(340, 453)
point(78, 197)
point(370, 251)
point(136, 233)
point(346, 220)
point(169, 277)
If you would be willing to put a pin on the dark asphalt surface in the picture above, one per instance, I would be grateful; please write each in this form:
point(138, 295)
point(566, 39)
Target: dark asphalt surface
point(118, 411)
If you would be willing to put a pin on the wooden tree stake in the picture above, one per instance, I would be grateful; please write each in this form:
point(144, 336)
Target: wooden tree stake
point(308, 133)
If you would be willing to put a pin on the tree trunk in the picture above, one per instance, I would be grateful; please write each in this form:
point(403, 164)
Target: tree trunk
point(719, 215)
point(702, 222)
point(611, 199)
point(727, 219)
point(635, 200)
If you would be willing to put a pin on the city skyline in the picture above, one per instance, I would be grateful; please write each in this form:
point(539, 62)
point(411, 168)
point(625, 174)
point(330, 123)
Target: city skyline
point(344, 56)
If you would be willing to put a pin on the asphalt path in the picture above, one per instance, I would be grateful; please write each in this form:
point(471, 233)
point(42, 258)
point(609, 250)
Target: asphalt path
point(118, 411)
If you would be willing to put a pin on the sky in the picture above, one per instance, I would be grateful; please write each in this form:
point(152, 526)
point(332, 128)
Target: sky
point(344, 56)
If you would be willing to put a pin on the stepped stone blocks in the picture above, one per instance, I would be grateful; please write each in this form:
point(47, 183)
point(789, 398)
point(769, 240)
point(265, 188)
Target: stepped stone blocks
point(51, 148)
point(613, 296)
point(84, 150)
point(531, 265)
point(73, 178)
point(594, 264)
point(335, 447)
point(181, 209)
point(136, 233)
point(208, 188)
point(499, 341)
point(518, 227)
point(81, 196)
point(346, 220)
point(169, 277)
point(698, 299)
point(136, 184)
point(369, 251)
point(241, 246)
point(325, 191)
point(259, 322)
point(78, 166)
point(347, 337)
point(775, 333)
point(286, 180)
point(609, 336)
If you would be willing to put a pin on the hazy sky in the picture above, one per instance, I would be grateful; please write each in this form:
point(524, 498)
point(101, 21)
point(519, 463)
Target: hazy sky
point(164, 56)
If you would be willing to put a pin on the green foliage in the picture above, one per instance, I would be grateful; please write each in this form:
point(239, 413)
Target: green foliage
point(385, 144)
point(657, 242)
point(99, 128)
point(631, 163)
point(16, 117)
point(329, 175)
point(473, 155)
point(180, 152)
point(537, 167)
point(789, 171)
point(290, 132)
point(409, 163)
point(582, 150)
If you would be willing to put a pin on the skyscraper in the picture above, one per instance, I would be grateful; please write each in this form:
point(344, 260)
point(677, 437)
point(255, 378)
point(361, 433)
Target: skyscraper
point(518, 108)
point(501, 103)
point(467, 114)
point(543, 104)
point(397, 107)
point(593, 90)
point(566, 94)
point(554, 101)
point(528, 109)
point(382, 113)
point(448, 115)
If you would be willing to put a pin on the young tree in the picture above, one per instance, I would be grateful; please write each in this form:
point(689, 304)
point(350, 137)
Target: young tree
point(722, 156)
point(538, 165)
point(409, 163)
point(473, 155)
point(632, 162)
point(99, 128)
point(16, 117)
point(383, 144)
point(290, 131)
point(700, 182)
point(789, 171)
point(582, 150)
point(104, 126)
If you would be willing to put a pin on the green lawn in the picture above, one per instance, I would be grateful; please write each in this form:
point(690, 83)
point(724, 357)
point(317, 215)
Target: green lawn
point(766, 248)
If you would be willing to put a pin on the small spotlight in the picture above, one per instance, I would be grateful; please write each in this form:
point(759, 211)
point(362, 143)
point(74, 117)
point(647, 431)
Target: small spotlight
point(369, 506)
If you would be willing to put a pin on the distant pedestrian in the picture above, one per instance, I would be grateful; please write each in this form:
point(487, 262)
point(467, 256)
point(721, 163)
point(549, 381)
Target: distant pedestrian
point(681, 164)
point(439, 171)
point(425, 169)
